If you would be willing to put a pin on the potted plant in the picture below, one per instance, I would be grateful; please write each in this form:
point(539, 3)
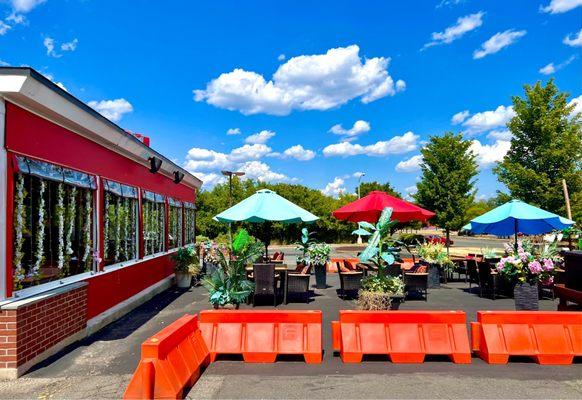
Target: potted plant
point(525, 270)
point(318, 254)
point(228, 284)
point(381, 291)
point(186, 265)
point(303, 246)
point(434, 256)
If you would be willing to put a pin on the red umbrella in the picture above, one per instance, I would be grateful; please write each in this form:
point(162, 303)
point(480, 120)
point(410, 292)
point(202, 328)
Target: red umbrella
point(370, 207)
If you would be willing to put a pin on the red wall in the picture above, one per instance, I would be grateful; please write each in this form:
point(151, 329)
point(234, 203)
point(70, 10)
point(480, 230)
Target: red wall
point(110, 288)
point(34, 136)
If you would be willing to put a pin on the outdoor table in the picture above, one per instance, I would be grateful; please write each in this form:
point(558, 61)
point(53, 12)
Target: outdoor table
point(282, 270)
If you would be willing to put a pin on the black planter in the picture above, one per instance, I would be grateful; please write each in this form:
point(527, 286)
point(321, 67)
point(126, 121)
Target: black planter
point(526, 297)
point(320, 277)
point(395, 302)
point(434, 276)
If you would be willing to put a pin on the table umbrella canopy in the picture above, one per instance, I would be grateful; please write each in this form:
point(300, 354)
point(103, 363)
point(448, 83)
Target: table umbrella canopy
point(370, 207)
point(266, 205)
point(516, 217)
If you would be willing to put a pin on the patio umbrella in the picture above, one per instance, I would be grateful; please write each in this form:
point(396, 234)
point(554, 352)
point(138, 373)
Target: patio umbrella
point(266, 206)
point(370, 207)
point(516, 217)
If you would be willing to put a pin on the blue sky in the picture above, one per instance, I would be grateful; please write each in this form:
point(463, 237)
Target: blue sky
point(315, 91)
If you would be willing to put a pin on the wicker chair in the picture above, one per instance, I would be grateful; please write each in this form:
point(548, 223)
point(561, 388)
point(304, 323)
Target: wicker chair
point(298, 282)
point(487, 280)
point(349, 281)
point(265, 281)
point(471, 264)
point(416, 282)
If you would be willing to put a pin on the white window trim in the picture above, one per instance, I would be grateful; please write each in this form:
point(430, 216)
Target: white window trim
point(3, 200)
point(137, 236)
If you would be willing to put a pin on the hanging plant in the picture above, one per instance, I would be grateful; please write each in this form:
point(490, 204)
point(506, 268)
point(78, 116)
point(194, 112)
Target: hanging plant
point(87, 230)
point(19, 218)
point(60, 215)
point(125, 226)
point(70, 220)
point(117, 229)
point(40, 232)
point(106, 227)
point(133, 203)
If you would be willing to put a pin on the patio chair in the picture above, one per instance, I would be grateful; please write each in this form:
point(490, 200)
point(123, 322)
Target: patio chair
point(471, 265)
point(394, 270)
point(265, 281)
point(349, 281)
point(488, 282)
point(298, 282)
point(416, 282)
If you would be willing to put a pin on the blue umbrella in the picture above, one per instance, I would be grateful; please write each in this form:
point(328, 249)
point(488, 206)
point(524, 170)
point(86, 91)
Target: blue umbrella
point(516, 216)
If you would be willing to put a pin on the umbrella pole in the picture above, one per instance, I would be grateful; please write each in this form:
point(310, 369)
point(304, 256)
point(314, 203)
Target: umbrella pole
point(515, 233)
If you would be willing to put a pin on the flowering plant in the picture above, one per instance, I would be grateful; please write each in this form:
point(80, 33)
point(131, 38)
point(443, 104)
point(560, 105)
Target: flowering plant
point(211, 251)
point(523, 266)
point(318, 253)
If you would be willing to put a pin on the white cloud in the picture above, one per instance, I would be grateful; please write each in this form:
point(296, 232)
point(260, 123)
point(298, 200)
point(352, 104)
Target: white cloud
point(335, 188)
point(551, 68)
point(4, 28)
point(410, 165)
point(299, 153)
point(561, 6)
point(249, 152)
point(487, 120)
point(209, 179)
point(489, 154)
point(459, 117)
point(497, 42)
point(199, 159)
point(24, 6)
point(577, 103)
point(464, 24)
point(410, 191)
point(112, 109)
point(500, 135)
point(357, 129)
point(260, 137)
point(49, 44)
point(262, 172)
point(233, 131)
point(573, 39)
point(281, 57)
point(449, 3)
point(313, 82)
point(4, 63)
point(396, 145)
point(70, 46)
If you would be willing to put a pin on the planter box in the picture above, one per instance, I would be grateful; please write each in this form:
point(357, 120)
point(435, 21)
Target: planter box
point(526, 297)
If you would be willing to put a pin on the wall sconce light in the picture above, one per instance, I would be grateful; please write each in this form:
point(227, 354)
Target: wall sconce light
point(178, 176)
point(155, 164)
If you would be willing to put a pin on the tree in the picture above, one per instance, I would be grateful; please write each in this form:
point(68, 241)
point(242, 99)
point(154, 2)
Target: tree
point(367, 187)
point(446, 186)
point(546, 148)
point(477, 208)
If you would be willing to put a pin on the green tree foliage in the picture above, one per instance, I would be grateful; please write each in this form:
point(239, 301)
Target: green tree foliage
point(326, 229)
point(367, 187)
point(447, 185)
point(546, 148)
point(478, 208)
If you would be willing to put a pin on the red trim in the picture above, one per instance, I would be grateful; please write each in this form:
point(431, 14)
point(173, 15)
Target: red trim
point(9, 223)
point(101, 218)
point(31, 135)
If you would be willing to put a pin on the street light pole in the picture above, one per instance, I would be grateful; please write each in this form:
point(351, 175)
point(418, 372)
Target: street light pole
point(230, 174)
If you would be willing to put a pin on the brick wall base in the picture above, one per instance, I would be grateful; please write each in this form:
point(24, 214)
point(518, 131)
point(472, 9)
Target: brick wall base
point(37, 327)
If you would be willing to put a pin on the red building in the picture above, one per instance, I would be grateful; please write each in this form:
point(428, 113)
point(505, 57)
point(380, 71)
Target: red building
point(89, 216)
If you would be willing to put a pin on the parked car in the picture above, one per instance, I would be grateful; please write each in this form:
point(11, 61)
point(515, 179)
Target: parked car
point(436, 239)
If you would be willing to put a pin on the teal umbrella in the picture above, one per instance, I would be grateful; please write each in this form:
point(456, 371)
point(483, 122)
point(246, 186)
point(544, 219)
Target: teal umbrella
point(263, 207)
point(516, 217)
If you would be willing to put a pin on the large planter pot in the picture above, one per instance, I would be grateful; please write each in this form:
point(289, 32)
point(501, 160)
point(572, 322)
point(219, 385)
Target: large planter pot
point(320, 276)
point(226, 306)
point(183, 279)
point(434, 276)
point(526, 297)
point(375, 301)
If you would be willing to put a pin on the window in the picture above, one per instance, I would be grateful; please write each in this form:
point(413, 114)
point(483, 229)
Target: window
point(119, 223)
point(53, 223)
point(154, 221)
point(175, 223)
point(189, 223)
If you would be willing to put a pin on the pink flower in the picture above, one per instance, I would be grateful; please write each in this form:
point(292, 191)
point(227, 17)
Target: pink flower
point(548, 264)
point(535, 267)
point(548, 281)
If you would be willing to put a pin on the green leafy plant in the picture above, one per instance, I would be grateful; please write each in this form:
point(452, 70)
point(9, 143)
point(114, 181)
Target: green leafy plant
point(411, 239)
point(186, 260)
point(229, 284)
point(489, 252)
point(318, 253)
point(435, 253)
point(303, 246)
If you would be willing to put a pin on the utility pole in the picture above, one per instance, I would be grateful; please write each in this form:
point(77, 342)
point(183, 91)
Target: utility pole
point(230, 174)
point(567, 199)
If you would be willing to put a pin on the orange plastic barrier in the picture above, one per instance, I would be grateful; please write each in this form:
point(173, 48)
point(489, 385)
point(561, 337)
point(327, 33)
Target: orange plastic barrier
point(405, 336)
point(170, 361)
point(261, 335)
point(551, 338)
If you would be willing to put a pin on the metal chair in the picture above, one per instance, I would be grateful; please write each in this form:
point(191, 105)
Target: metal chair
point(265, 281)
